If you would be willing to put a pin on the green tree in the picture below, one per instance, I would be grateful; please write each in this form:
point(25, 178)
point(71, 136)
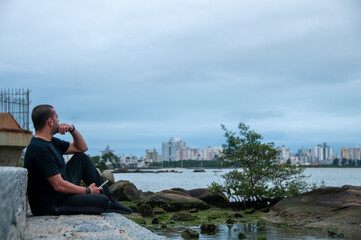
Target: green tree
point(336, 162)
point(343, 162)
point(112, 158)
point(289, 162)
point(261, 176)
point(99, 163)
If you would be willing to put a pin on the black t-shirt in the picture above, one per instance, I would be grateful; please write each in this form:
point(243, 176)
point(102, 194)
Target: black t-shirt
point(44, 159)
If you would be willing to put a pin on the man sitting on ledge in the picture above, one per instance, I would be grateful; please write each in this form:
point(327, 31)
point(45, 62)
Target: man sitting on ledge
point(53, 185)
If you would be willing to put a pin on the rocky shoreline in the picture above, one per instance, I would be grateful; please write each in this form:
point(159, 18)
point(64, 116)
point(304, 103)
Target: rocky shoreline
point(178, 208)
point(334, 210)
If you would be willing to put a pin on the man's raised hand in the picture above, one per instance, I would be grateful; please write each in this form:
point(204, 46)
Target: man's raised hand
point(64, 128)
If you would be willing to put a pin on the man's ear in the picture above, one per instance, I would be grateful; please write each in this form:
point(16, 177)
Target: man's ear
point(50, 121)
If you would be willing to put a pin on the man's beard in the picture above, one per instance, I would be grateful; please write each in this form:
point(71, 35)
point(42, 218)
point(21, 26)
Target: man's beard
point(55, 129)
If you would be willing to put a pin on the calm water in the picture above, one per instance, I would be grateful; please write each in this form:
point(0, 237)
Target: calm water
point(187, 179)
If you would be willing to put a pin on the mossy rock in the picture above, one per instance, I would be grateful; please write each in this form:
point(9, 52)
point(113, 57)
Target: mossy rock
point(238, 215)
point(145, 210)
point(208, 229)
point(155, 221)
point(193, 210)
point(230, 221)
point(158, 210)
point(190, 234)
point(335, 234)
point(182, 216)
point(241, 236)
point(262, 238)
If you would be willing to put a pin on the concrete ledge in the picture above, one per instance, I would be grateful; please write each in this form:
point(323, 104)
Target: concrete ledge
point(13, 185)
point(106, 226)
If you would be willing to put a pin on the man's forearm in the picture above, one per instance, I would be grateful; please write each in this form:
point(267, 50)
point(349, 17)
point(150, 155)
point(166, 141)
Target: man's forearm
point(65, 187)
point(60, 185)
point(69, 188)
point(78, 144)
point(79, 141)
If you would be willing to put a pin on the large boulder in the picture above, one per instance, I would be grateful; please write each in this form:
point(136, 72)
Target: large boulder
point(327, 208)
point(206, 195)
point(108, 175)
point(125, 191)
point(172, 201)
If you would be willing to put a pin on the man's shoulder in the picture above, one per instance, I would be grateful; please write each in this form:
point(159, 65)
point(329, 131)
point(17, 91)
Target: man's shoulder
point(37, 144)
point(56, 140)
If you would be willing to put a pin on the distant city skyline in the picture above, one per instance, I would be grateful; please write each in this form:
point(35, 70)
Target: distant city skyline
point(182, 142)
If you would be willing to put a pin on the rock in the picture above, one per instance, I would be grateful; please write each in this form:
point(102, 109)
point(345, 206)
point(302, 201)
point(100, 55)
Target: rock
point(199, 170)
point(208, 229)
point(230, 221)
point(262, 238)
point(155, 221)
point(174, 201)
point(334, 234)
point(194, 210)
point(241, 236)
point(238, 215)
point(158, 210)
point(164, 226)
point(108, 175)
point(121, 170)
point(337, 208)
point(182, 216)
point(145, 210)
point(179, 190)
point(190, 234)
point(125, 191)
point(206, 195)
point(249, 210)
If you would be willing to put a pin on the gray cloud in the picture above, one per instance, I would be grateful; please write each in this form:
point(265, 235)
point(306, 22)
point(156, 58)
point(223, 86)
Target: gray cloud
point(135, 73)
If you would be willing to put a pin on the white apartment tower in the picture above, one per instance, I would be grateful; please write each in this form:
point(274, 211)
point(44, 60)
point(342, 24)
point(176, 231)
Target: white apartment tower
point(170, 148)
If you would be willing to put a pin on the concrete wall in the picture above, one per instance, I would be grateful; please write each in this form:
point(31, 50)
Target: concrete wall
point(11, 146)
point(13, 185)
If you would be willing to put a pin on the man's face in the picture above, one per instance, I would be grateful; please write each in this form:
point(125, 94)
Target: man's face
point(55, 122)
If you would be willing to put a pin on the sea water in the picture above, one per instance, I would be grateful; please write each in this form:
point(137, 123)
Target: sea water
point(187, 179)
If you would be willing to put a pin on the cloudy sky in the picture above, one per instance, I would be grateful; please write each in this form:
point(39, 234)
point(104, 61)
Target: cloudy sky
point(132, 74)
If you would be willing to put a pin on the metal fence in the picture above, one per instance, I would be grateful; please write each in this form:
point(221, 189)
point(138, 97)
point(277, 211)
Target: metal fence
point(16, 102)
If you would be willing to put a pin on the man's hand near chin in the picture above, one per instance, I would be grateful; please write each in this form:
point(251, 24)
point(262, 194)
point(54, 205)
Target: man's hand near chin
point(64, 128)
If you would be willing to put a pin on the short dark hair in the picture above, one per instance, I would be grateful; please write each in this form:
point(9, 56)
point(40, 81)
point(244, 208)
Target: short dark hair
point(41, 114)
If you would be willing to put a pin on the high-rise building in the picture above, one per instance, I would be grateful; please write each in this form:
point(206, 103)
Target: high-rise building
point(355, 153)
point(344, 153)
point(151, 155)
point(284, 154)
point(170, 148)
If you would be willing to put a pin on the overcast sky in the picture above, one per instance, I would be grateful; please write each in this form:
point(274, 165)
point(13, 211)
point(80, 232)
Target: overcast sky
point(132, 74)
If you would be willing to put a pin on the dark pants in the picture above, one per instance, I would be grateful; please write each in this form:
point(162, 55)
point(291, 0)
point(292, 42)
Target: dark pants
point(80, 167)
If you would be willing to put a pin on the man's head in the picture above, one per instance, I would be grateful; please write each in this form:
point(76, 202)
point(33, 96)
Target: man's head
point(42, 114)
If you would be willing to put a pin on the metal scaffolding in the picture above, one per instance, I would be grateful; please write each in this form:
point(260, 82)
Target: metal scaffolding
point(16, 102)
